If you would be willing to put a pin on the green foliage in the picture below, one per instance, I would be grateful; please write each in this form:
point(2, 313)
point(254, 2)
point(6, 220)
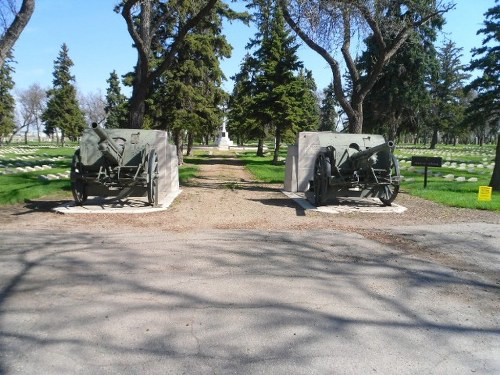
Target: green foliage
point(399, 99)
point(484, 111)
point(272, 93)
point(188, 98)
point(447, 93)
point(63, 111)
point(116, 104)
point(7, 102)
point(487, 60)
point(329, 116)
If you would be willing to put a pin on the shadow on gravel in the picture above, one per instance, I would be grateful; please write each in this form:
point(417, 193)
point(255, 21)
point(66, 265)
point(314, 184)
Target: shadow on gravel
point(118, 304)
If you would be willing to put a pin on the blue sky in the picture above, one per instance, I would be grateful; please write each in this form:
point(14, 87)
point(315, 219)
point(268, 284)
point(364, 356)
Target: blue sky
point(99, 43)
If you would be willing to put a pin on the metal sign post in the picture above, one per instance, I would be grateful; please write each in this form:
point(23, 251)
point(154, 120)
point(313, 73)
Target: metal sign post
point(426, 161)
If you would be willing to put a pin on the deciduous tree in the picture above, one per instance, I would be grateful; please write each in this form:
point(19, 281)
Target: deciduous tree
point(157, 28)
point(12, 29)
point(32, 102)
point(327, 25)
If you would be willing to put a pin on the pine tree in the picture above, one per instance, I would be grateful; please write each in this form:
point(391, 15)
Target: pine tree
point(329, 116)
point(7, 102)
point(63, 111)
point(448, 93)
point(485, 108)
point(241, 121)
point(116, 103)
point(188, 98)
point(282, 101)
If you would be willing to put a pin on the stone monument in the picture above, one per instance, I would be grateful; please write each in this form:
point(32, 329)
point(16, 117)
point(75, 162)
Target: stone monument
point(223, 142)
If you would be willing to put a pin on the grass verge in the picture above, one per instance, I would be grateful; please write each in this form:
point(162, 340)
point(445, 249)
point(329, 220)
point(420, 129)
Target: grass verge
point(262, 167)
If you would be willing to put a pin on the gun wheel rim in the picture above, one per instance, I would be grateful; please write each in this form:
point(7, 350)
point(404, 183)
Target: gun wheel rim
point(388, 192)
point(320, 180)
point(78, 185)
point(152, 178)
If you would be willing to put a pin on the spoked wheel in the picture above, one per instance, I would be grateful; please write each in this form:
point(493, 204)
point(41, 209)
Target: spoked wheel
point(152, 178)
point(320, 180)
point(78, 185)
point(388, 192)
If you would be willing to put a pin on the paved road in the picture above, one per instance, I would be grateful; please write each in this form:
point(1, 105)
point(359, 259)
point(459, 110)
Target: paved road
point(251, 302)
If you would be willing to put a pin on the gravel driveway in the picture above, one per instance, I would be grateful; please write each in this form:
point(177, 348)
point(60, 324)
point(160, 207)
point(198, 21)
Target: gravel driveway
point(235, 278)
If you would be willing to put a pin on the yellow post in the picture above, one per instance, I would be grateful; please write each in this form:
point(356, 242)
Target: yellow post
point(485, 193)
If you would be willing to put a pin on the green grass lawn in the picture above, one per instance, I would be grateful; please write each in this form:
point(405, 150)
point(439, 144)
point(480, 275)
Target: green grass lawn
point(19, 187)
point(262, 167)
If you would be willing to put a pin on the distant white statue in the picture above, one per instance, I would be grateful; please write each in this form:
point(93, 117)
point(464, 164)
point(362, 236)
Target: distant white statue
point(223, 142)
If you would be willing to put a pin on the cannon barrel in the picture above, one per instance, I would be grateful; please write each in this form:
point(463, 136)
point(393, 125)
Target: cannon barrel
point(107, 145)
point(365, 154)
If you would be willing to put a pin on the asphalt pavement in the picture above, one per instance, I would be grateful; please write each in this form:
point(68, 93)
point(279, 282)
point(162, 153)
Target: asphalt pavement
point(250, 302)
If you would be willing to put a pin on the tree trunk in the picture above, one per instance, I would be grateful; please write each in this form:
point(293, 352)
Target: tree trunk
point(434, 140)
point(356, 119)
point(137, 107)
point(190, 144)
point(277, 148)
point(260, 147)
point(495, 177)
point(179, 143)
point(14, 31)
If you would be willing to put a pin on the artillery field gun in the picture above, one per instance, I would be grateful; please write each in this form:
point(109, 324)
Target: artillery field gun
point(330, 165)
point(119, 163)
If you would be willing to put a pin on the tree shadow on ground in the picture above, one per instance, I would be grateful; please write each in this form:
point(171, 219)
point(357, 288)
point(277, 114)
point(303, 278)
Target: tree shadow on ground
point(235, 300)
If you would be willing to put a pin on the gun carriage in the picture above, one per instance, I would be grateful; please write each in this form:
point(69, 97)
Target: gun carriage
point(355, 165)
point(116, 162)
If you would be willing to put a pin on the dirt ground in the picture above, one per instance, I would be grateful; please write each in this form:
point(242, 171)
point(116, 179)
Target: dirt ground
point(225, 196)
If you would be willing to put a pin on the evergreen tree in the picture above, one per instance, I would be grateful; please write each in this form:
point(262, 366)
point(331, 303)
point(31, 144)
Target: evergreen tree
point(282, 100)
point(7, 102)
point(63, 111)
point(448, 94)
point(400, 98)
point(329, 116)
point(485, 108)
point(241, 120)
point(188, 98)
point(116, 103)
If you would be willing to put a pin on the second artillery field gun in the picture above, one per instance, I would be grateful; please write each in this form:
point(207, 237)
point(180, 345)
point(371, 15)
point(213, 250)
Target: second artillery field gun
point(116, 162)
point(355, 165)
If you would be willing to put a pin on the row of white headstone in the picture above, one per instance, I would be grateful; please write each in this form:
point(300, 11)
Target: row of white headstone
point(448, 177)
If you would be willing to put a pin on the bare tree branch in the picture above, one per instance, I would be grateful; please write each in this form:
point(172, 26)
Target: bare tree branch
point(14, 30)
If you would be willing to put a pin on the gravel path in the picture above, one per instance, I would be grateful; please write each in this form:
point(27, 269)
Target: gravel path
point(225, 196)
